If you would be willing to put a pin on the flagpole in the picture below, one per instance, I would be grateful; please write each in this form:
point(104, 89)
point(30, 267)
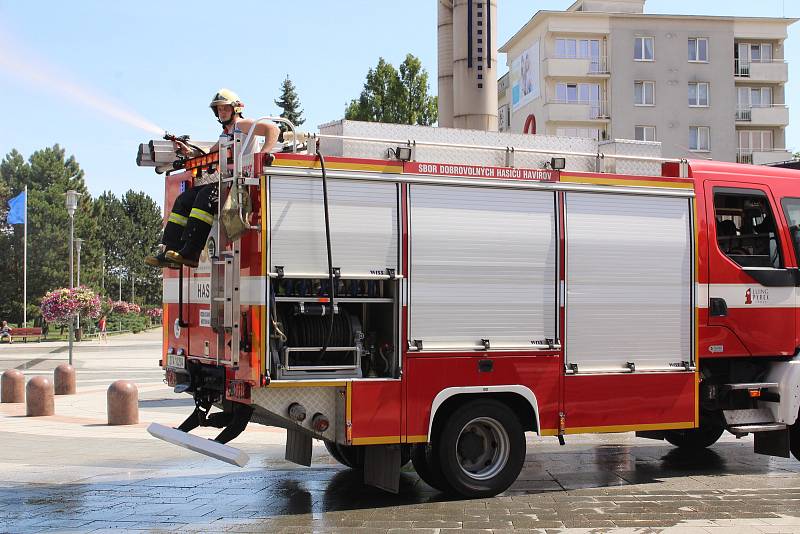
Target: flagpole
point(25, 263)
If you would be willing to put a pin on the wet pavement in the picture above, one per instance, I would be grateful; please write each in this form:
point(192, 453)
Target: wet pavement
point(72, 473)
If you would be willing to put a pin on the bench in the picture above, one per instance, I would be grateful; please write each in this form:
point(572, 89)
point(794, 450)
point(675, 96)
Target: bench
point(25, 333)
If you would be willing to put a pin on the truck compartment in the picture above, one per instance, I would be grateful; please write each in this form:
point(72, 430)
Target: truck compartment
point(357, 332)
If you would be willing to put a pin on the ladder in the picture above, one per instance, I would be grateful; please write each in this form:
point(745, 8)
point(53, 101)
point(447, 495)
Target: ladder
point(226, 258)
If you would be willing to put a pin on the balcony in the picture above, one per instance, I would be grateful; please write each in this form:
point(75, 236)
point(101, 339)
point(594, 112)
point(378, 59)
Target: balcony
point(762, 157)
point(774, 115)
point(565, 67)
point(769, 71)
point(561, 111)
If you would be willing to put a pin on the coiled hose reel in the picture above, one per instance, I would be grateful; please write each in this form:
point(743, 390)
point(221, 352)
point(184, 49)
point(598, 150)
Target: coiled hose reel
point(308, 325)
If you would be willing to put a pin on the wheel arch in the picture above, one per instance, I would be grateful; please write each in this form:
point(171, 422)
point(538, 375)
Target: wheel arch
point(519, 398)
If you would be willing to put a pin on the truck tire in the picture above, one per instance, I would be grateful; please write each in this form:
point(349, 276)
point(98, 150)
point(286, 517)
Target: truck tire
point(481, 449)
point(794, 439)
point(351, 456)
point(694, 438)
point(427, 467)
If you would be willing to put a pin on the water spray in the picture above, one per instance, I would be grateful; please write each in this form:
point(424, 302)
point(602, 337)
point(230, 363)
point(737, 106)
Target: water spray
point(35, 72)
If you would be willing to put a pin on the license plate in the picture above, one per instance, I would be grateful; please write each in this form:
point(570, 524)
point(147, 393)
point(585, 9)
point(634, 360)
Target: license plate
point(175, 361)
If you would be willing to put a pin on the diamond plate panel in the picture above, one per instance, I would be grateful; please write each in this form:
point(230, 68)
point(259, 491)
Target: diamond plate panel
point(747, 417)
point(315, 399)
point(627, 147)
point(451, 136)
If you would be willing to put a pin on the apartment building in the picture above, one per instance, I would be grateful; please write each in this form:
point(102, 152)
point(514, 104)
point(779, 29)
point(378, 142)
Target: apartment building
point(703, 86)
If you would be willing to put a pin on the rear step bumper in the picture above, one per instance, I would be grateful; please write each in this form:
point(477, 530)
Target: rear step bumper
point(226, 453)
point(756, 427)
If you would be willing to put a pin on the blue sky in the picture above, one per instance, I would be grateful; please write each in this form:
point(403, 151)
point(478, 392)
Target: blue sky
point(161, 62)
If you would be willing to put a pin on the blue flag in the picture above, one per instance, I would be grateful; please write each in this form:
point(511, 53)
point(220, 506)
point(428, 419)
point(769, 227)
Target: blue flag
point(16, 209)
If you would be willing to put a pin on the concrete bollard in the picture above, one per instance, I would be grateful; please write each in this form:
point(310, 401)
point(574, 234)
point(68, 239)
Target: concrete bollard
point(64, 379)
point(12, 386)
point(123, 403)
point(39, 398)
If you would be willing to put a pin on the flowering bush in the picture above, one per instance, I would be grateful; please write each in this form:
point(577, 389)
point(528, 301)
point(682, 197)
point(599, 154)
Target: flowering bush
point(154, 313)
point(121, 307)
point(134, 308)
point(61, 305)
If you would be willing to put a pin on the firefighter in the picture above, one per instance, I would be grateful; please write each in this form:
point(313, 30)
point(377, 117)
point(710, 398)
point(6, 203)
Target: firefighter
point(192, 215)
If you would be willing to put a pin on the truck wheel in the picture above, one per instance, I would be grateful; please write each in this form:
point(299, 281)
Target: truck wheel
point(794, 439)
point(694, 438)
point(427, 467)
point(351, 456)
point(481, 449)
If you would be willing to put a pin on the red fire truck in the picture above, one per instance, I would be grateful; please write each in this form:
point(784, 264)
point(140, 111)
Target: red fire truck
point(438, 300)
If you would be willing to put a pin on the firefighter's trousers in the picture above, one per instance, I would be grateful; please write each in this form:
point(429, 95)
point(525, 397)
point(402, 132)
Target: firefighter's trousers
point(190, 221)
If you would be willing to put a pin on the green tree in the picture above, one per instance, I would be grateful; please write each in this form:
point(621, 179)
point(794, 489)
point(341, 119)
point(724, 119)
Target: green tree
point(289, 102)
point(393, 96)
point(130, 230)
point(115, 232)
point(48, 173)
point(145, 233)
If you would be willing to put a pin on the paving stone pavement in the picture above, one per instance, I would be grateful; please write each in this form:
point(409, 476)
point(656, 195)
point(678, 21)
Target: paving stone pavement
point(72, 473)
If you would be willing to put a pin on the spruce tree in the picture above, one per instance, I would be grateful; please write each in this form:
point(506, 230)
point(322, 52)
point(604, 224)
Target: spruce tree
point(289, 102)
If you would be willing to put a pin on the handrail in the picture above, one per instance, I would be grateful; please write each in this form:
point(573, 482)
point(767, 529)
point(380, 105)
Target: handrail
point(412, 142)
point(273, 119)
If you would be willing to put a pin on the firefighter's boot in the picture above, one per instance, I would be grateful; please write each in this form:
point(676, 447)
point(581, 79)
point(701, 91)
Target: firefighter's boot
point(160, 260)
point(194, 237)
point(171, 241)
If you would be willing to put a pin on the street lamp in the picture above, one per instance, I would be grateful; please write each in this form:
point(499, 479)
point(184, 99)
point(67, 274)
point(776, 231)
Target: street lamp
point(72, 205)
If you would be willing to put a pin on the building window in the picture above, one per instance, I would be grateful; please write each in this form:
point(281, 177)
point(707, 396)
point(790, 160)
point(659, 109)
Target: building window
point(698, 94)
point(755, 141)
point(761, 52)
point(753, 52)
point(699, 138)
point(580, 49)
point(698, 49)
point(643, 49)
point(644, 93)
point(567, 48)
point(644, 133)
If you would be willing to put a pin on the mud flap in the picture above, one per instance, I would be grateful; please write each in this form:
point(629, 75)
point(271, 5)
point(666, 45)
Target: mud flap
point(773, 443)
point(298, 447)
point(226, 453)
point(382, 467)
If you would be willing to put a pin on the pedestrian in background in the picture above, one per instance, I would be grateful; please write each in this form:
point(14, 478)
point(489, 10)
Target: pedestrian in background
point(101, 326)
point(5, 332)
